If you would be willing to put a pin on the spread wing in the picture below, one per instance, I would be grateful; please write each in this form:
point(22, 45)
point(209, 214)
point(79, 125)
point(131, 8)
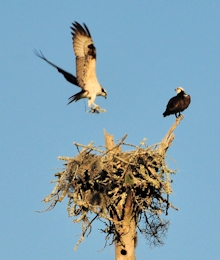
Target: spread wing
point(85, 54)
point(69, 77)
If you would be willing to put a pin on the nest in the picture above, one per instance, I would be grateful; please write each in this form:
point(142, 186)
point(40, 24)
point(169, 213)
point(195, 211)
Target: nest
point(102, 180)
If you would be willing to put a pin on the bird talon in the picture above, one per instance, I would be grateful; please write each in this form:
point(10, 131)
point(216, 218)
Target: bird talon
point(97, 110)
point(94, 110)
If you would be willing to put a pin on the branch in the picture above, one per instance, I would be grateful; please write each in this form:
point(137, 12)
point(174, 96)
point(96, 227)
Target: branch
point(89, 146)
point(168, 139)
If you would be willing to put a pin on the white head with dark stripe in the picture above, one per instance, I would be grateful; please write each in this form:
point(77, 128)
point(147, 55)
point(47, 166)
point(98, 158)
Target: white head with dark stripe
point(179, 89)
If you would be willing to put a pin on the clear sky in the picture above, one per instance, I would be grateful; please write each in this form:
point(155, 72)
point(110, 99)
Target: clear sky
point(145, 49)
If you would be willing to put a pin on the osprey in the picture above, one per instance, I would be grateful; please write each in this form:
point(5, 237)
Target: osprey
point(86, 79)
point(178, 103)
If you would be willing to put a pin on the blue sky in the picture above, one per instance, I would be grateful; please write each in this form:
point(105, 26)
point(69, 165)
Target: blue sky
point(144, 51)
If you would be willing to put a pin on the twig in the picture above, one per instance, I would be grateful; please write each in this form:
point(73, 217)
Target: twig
point(116, 146)
point(122, 160)
point(84, 232)
point(89, 146)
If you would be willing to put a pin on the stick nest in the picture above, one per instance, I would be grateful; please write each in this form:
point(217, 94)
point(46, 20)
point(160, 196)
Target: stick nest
point(98, 180)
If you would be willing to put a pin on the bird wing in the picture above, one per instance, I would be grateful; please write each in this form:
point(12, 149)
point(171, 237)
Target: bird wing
point(69, 77)
point(173, 103)
point(85, 52)
point(187, 100)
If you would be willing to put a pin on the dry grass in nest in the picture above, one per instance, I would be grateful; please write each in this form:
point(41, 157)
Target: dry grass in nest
point(99, 180)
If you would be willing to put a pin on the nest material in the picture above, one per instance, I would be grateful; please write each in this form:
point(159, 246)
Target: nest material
point(99, 181)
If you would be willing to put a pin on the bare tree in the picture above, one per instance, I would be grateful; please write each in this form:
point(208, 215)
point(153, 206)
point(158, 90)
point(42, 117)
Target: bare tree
point(127, 190)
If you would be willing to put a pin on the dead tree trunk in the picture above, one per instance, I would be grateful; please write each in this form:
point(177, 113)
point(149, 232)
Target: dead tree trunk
point(126, 230)
point(125, 247)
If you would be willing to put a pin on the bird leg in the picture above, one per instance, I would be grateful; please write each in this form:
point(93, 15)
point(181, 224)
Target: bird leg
point(95, 109)
point(178, 114)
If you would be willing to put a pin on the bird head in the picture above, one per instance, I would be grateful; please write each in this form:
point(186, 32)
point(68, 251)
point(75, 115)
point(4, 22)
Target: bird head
point(179, 89)
point(103, 92)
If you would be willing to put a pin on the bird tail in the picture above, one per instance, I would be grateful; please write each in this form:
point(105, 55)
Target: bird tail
point(166, 114)
point(77, 96)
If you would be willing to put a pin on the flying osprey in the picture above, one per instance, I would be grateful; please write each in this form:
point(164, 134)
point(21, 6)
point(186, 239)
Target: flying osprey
point(178, 103)
point(86, 79)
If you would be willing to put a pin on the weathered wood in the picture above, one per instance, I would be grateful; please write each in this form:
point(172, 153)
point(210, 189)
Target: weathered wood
point(125, 248)
point(125, 244)
point(169, 137)
point(109, 140)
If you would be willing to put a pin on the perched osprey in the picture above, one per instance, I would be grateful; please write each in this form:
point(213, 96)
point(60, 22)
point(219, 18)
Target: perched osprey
point(178, 103)
point(86, 79)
